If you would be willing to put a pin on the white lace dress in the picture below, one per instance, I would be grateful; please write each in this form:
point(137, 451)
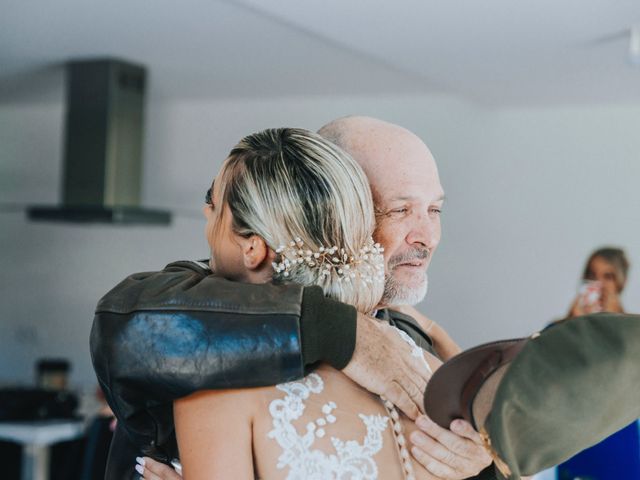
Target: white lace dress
point(319, 438)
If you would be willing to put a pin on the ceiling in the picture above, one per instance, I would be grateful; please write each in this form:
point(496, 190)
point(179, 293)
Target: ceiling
point(495, 52)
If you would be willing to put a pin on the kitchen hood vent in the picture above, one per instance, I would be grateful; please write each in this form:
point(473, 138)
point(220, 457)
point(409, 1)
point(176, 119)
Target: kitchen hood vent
point(103, 147)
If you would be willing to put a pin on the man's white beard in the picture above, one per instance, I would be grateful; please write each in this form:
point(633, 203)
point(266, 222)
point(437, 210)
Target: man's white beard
point(397, 294)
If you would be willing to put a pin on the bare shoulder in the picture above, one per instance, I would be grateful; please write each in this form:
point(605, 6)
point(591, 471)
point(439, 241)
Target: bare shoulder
point(213, 429)
point(216, 403)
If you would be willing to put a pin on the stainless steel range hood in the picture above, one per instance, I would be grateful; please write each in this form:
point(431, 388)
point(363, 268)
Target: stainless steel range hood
point(103, 147)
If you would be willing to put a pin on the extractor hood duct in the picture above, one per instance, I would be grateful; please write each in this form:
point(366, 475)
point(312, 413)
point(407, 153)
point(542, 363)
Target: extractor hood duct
point(103, 147)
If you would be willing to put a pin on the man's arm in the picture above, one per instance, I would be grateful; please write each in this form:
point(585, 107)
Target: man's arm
point(163, 335)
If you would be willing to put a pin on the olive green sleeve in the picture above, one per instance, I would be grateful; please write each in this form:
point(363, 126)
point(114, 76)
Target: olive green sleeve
point(327, 330)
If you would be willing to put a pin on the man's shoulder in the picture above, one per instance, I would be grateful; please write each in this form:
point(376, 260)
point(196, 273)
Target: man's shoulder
point(184, 266)
point(137, 290)
point(410, 326)
point(191, 286)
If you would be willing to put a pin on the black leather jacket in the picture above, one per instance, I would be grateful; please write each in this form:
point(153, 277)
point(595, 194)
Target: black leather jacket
point(159, 336)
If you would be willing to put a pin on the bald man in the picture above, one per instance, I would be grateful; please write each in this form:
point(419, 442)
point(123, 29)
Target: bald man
point(408, 199)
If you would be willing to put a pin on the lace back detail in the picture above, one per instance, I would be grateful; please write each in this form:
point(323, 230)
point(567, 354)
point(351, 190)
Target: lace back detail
point(352, 460)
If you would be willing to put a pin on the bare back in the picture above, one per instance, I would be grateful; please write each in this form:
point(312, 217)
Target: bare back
point(322, 426)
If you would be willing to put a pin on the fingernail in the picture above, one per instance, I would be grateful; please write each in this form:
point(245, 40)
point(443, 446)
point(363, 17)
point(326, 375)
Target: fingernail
point(140, 460)
point(140, 469)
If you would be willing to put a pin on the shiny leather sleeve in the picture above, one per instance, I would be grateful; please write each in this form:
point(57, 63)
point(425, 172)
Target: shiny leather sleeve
point(162, 335)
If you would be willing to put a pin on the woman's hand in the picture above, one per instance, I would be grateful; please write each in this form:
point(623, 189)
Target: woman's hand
point(606, 299)
point(149, 469)
point(589, 300)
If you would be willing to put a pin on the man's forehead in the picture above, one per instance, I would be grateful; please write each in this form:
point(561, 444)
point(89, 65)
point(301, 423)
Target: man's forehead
point(397, 162)
point(437, 197)
point(434, 197)
point(409, 162)
point(399, 183)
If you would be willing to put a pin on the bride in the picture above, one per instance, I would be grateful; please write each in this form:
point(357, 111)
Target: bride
point(288, 206)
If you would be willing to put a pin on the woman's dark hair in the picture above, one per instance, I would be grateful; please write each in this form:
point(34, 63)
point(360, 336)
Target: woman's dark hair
point(615, 257)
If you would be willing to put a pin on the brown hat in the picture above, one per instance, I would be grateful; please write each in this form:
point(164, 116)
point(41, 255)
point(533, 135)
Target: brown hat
point(540, 400)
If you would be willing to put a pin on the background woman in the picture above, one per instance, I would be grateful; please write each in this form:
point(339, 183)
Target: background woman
point(617, 457)
point(605, 276)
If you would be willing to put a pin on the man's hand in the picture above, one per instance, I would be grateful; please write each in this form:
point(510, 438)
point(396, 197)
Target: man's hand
point(149, 469)
point(449, 454)
point(383, 364)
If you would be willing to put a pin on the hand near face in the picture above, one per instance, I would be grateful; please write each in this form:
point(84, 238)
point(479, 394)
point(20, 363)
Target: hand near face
point(610, 299)
point(449, 454)
point(579, 308)
point(605, 298)
point(604, 283)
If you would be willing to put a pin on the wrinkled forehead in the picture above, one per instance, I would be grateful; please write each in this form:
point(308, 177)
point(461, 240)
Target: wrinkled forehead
point(395, 161)
point(406, 177)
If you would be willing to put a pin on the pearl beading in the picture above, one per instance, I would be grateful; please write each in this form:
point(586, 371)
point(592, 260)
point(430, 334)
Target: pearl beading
point(401, 442)
point(366, 265)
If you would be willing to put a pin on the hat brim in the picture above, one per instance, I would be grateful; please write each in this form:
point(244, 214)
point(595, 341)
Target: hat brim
point(452, 389)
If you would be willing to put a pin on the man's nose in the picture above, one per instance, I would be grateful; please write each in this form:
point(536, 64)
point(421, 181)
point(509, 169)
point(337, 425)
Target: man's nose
point(425, 231)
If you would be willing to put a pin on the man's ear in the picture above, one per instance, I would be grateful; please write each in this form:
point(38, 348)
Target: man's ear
point(254, 251)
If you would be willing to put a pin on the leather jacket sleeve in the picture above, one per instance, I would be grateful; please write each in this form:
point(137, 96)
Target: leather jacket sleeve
point(159, 336)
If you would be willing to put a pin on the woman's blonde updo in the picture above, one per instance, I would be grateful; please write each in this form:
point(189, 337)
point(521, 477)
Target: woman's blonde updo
point(291, 185)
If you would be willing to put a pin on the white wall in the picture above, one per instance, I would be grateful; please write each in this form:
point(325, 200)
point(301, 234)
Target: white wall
point(534, 193)
point(530, 192)
point(53, 274)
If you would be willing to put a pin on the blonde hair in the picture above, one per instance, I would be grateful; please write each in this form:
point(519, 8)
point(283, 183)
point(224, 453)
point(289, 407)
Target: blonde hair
point(287, 184)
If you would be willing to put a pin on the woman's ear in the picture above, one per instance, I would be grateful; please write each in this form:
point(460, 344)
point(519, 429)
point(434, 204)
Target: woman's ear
point(254, 251)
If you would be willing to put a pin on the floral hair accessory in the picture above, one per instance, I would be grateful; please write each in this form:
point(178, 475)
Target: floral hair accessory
point(366, 265)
